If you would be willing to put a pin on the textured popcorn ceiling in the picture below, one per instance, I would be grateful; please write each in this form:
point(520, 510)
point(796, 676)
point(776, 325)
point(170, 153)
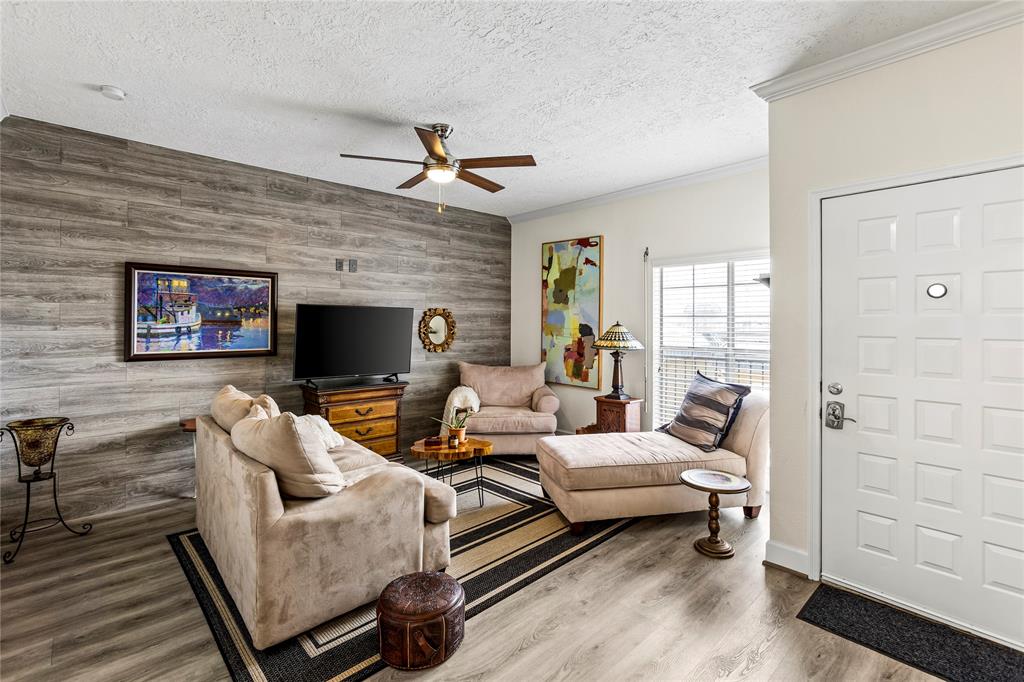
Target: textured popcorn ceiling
point(605, 95)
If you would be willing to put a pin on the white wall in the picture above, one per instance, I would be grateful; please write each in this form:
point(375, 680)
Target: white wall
point(724, 215)
point(955, 105)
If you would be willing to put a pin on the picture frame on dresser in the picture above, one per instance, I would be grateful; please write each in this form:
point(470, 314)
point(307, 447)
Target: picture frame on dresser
point(179, 312)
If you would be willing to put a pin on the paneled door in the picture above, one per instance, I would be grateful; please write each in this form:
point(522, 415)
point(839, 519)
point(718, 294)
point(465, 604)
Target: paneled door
point(923, 386)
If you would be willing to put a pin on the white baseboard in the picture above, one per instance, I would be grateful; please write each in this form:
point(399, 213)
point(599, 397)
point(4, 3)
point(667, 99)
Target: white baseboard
point(779, 554)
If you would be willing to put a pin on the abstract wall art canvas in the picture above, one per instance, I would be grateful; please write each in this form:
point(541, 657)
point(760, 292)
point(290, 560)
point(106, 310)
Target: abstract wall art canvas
point(571, 273)
point(174, 312)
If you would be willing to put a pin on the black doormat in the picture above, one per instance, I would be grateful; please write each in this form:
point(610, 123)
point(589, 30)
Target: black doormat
point(932, 647)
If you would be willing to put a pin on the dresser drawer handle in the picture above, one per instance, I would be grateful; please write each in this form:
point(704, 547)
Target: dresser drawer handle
point(363, 413)
point(364, 433)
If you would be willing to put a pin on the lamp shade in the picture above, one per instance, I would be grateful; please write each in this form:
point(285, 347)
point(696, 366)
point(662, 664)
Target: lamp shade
point(618, 338)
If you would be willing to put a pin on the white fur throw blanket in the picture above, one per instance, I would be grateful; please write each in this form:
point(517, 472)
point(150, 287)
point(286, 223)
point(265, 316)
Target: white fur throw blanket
point(461, 398)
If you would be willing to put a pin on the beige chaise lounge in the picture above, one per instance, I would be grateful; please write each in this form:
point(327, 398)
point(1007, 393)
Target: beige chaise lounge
point(621, 475)
point(291, 564)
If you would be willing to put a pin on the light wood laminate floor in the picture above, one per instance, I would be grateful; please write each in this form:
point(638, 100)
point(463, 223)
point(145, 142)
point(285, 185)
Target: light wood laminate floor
point(114, 605)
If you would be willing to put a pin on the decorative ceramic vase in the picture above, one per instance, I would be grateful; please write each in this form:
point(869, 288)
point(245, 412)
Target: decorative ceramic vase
point(460, 433)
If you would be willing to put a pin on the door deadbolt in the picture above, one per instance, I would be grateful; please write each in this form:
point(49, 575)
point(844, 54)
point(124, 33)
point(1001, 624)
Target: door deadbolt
point(835, 388)
point(835, 415)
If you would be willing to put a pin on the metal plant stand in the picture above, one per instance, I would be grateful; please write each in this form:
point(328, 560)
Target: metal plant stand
point(35, 445)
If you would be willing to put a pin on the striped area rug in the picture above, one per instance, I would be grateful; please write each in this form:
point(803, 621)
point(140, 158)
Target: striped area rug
point(516, 538)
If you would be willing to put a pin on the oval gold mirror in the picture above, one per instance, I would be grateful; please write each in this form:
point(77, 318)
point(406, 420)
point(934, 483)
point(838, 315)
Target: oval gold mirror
point(437, 329)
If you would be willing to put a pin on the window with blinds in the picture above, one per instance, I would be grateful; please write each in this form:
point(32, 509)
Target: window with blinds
point(712, 318)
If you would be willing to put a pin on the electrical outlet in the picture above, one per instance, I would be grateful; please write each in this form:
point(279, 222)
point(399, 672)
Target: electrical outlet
point(352, 263)
point(339, 265)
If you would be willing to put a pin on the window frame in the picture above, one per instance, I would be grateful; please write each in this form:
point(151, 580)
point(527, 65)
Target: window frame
point(729, 354)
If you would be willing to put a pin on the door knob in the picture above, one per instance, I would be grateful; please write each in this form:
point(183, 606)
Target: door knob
point(835, 415)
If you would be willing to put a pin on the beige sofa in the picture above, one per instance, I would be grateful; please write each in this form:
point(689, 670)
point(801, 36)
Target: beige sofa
point(291, 564)
point(621, 475)
point(516, 407)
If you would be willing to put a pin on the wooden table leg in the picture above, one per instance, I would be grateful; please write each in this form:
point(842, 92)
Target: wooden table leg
point(713, 546)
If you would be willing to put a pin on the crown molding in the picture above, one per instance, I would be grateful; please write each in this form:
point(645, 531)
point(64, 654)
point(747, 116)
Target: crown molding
point(716, 173)
point(953, 30)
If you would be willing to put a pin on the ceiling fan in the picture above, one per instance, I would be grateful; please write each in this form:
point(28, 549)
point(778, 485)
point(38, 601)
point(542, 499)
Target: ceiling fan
point(441, 166)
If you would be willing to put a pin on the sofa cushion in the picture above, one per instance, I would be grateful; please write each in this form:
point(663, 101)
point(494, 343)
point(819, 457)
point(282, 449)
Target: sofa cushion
point(707, 412)
point(350, 456)
point(492, 419)
point(230, 406)
point(293, 448)
point(330, 437)
point(504, 386)
point(624, 460)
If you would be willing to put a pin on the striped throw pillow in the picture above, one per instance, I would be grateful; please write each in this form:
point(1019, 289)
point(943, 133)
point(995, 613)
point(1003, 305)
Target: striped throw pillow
point(707, 412)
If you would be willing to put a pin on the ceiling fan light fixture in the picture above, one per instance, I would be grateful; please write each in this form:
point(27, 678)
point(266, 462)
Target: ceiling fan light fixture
point(441, 173)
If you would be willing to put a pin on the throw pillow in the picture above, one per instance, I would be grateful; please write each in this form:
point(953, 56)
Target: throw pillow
point(330, 437)
point(293, 448)
point(707, 412)
point(268, 404)
point(230, 406)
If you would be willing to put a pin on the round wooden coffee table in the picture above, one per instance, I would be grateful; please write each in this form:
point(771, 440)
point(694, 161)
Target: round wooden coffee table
point(447, 459)
point(714, 483)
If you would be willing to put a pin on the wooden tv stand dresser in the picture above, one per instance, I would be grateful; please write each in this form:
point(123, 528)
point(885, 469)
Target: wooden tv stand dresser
point(368, 414)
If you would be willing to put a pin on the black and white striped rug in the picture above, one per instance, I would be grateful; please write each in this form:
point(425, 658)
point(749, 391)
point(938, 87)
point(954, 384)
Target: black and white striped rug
point(516, 538)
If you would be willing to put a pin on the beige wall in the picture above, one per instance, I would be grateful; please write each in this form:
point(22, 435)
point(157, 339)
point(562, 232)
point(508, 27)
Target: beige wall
point(959, 104)
point(729, 214)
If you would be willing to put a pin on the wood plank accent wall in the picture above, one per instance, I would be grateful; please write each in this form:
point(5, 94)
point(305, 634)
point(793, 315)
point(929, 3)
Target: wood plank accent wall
point(75, 205)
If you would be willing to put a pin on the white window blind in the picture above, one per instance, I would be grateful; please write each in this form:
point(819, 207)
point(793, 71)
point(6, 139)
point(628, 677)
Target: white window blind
point(712, 318)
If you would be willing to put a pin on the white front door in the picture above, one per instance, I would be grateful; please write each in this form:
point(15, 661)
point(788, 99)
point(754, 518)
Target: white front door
point(923, 328)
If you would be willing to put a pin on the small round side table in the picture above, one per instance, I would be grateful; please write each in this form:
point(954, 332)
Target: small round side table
point(714, 483)
point(447, 458)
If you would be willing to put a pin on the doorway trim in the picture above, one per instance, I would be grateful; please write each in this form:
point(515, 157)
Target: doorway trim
point(814, 301)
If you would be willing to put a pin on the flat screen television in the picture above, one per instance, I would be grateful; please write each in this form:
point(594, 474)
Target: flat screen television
point(351, 341)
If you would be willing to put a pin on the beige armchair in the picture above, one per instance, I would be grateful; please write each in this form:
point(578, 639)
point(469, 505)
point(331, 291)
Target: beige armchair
point(516, 406)
point(291, 564)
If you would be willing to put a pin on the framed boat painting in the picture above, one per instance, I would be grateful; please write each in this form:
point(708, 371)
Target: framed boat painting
point(571, 274)
point(176, 312)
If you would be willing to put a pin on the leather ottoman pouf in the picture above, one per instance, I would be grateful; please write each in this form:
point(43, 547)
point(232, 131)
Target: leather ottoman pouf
point(420, 620)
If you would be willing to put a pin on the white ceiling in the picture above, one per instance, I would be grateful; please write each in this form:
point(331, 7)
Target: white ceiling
point(605, 95)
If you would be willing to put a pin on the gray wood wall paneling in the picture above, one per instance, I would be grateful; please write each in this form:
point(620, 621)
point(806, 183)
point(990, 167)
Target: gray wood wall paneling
point(74, 205)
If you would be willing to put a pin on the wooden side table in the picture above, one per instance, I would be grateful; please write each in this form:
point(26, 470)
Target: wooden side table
point(615, 416)
point(447, 458)
point(713, 483)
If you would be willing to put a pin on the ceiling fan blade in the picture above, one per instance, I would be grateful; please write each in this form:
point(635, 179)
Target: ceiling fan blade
point(498, 161)
point(379, 158)
point(432, 143)
point(483, 183)
point(414, 180)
